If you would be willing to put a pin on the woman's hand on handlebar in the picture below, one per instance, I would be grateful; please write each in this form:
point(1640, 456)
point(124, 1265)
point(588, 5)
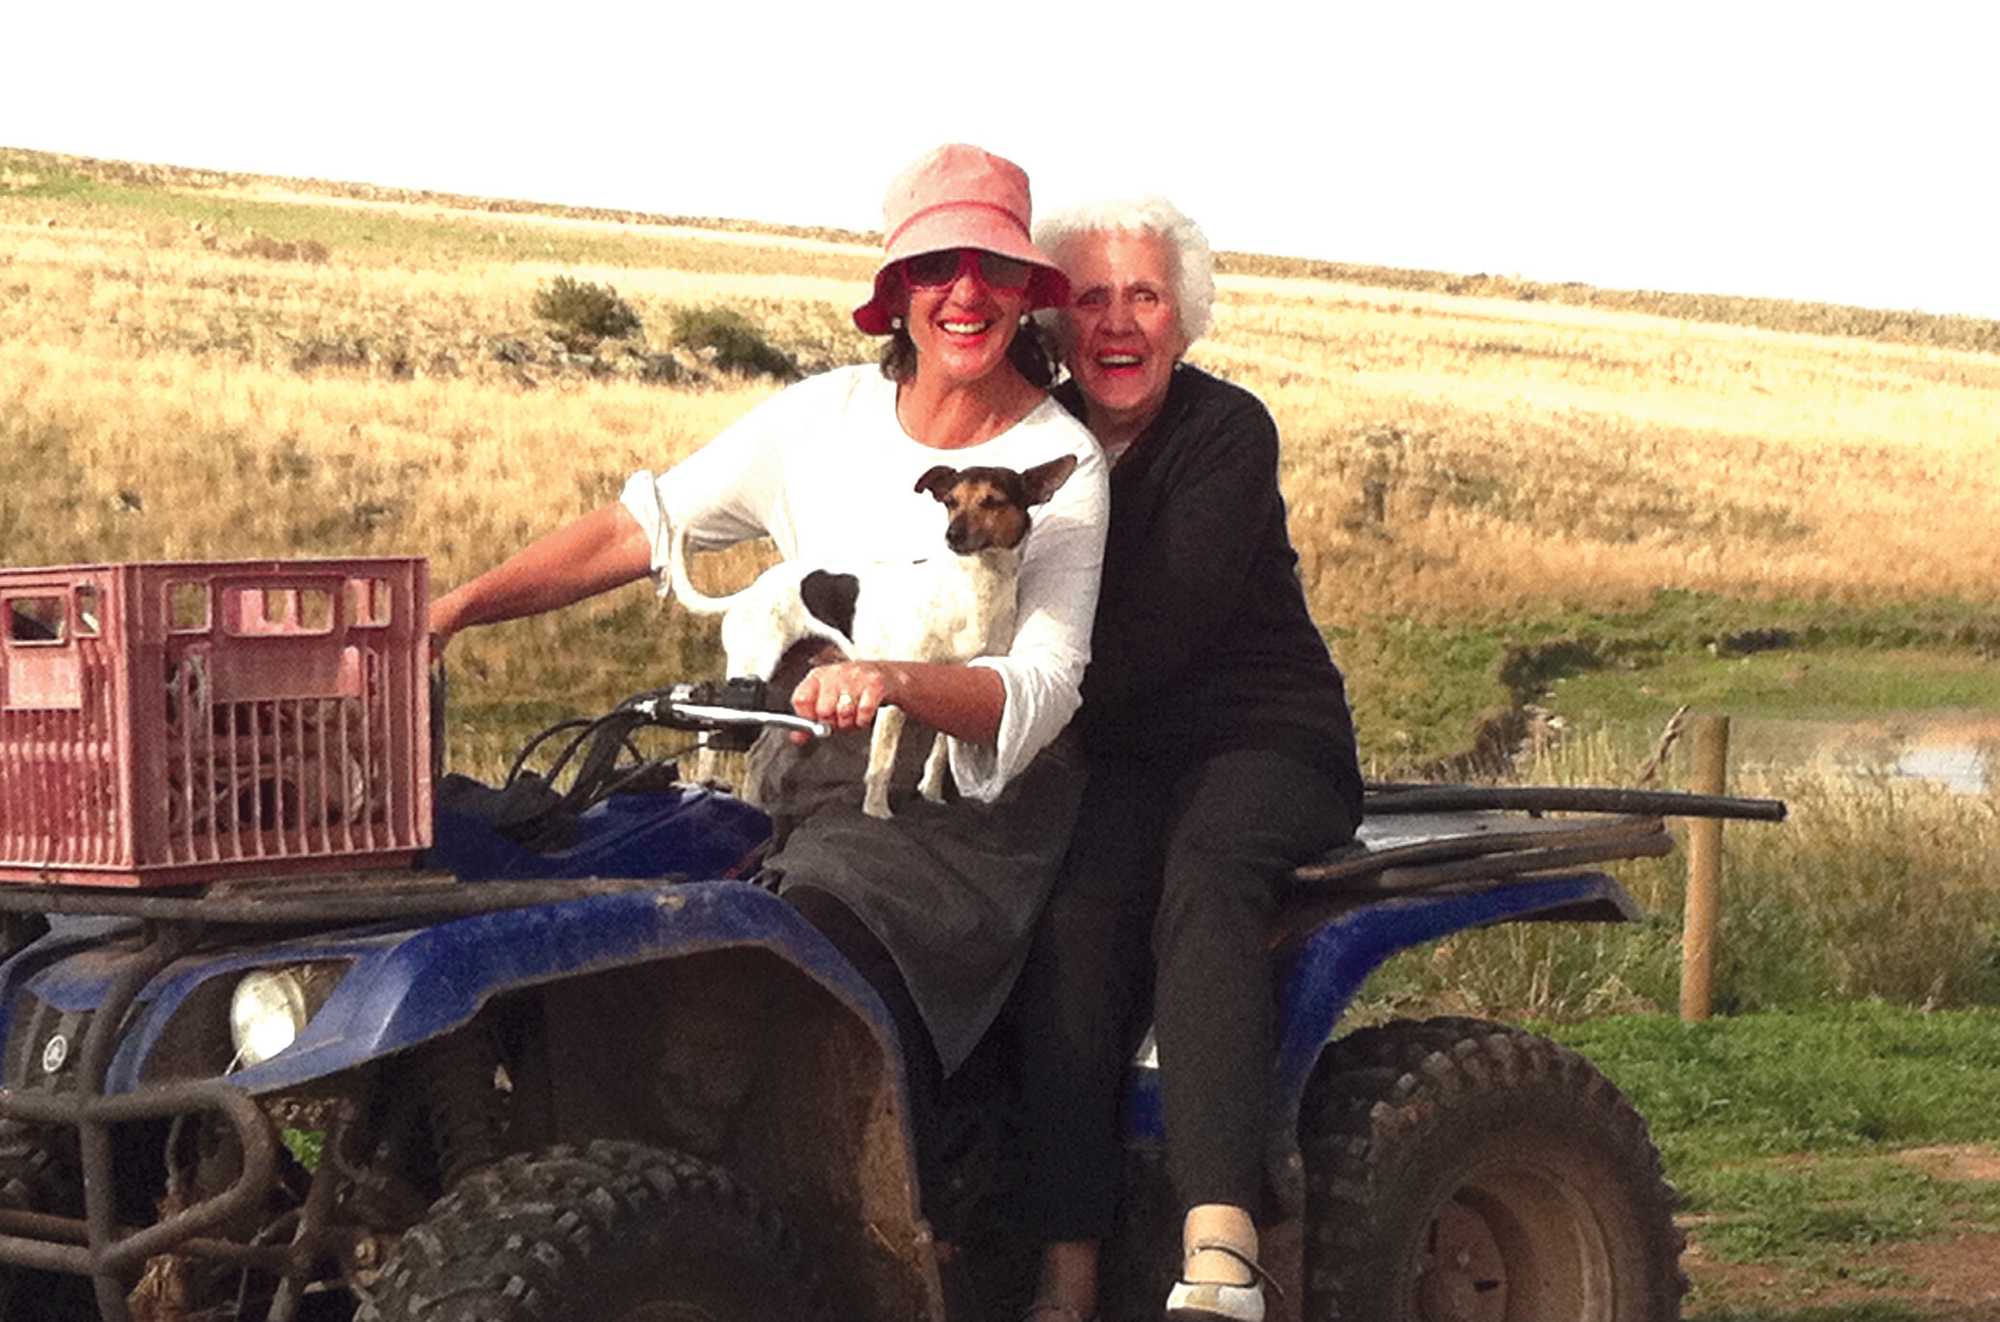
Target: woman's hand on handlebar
point(965, 702)
point(845, 694)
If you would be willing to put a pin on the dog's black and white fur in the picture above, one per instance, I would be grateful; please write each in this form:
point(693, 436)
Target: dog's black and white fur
point(950, 608)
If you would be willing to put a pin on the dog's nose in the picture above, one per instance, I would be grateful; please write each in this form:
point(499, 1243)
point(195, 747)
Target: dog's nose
point(962, 536)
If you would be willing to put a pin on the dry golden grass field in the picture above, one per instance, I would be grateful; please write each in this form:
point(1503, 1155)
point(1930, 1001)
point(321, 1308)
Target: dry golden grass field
point(269, 369)
point(198, 365)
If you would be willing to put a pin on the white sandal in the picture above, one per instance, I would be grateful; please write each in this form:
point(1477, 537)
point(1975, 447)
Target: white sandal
point(1211, 1301)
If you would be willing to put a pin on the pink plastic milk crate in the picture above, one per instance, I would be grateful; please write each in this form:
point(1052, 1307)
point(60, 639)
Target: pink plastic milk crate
point(163, 724)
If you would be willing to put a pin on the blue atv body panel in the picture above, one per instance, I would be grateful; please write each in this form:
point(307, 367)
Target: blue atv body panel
point(406, 985)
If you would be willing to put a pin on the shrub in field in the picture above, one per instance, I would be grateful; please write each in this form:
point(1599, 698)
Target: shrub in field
point(583, 308)
point(284, 250)
point(736, 344)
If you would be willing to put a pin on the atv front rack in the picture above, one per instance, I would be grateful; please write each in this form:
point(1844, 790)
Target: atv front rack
point(284, 902)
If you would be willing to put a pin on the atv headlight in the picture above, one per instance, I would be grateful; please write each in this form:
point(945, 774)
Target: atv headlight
point(270, 1007)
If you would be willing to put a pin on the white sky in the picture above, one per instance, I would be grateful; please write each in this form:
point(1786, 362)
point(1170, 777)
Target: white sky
point(1834, 151)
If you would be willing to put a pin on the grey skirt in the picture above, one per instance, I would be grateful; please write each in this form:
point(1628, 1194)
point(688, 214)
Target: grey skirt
point(952, 890)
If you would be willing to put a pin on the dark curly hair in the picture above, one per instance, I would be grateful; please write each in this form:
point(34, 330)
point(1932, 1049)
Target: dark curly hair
point(1032, 351)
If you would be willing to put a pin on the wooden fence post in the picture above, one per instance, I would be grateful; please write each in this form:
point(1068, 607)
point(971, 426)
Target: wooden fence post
point(1710, 775)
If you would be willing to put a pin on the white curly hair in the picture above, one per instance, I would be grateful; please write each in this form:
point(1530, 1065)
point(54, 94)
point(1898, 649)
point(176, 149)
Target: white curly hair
point(1059, 233)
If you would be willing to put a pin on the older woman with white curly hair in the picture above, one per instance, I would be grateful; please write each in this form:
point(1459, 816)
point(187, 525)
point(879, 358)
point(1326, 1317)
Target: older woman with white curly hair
point(1221, 754)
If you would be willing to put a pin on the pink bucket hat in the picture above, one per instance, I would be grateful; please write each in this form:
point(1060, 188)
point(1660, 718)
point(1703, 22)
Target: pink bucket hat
point(959, 197)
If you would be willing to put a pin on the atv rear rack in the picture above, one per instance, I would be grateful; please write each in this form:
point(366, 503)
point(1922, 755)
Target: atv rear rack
point(1421, 837)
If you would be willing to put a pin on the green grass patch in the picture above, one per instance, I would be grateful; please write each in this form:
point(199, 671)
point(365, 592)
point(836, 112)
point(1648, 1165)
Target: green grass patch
point(1833, 1080)
point(1418, 689)
point(1782, 1133)
point(32, 178)
point(1828, 1210)
point(1421, 688)
point(1681, 628)
point(1867, 1311)
point(1826, 683)
point(1678, 618)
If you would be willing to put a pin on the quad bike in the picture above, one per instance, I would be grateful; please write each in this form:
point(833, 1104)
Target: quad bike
point(579, 1063)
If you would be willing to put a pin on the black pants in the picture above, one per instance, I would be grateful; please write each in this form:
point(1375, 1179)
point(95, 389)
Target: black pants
point(1196, 860)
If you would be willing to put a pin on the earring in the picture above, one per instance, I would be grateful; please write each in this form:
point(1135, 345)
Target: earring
point(895, 323)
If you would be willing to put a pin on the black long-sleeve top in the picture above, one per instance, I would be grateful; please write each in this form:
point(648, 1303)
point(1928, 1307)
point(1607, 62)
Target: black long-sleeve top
point(1203, 642)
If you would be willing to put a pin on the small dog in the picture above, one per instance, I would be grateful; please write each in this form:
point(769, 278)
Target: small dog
point(947, 609)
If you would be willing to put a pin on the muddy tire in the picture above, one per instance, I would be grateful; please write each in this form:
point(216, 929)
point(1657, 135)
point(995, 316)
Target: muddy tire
point(1462, 1171)
point(611, 1232)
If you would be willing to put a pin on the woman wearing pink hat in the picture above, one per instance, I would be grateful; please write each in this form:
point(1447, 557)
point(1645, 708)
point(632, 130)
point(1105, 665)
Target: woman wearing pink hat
point(935, 906)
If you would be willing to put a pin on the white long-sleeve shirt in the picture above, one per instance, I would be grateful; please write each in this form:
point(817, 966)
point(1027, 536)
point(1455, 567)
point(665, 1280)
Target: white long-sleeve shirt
point(826, 470)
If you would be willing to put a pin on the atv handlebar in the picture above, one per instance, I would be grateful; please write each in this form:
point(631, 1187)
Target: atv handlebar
point(735, 706)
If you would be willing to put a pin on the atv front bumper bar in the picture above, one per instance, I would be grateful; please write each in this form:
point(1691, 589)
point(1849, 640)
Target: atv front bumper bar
point(97, 1245)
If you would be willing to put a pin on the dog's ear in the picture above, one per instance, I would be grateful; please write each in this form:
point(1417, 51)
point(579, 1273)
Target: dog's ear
point(937, 480)
point(1043, 479)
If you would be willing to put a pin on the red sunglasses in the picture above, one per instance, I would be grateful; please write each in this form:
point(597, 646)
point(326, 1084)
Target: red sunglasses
point(932, 269)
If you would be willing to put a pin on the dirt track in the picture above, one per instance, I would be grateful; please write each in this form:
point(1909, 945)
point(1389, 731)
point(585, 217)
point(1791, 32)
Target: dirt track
point(1953, 1278)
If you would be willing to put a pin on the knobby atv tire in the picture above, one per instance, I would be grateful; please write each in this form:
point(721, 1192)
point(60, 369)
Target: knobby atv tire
point(611, 1232)
point(1463, 1171)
